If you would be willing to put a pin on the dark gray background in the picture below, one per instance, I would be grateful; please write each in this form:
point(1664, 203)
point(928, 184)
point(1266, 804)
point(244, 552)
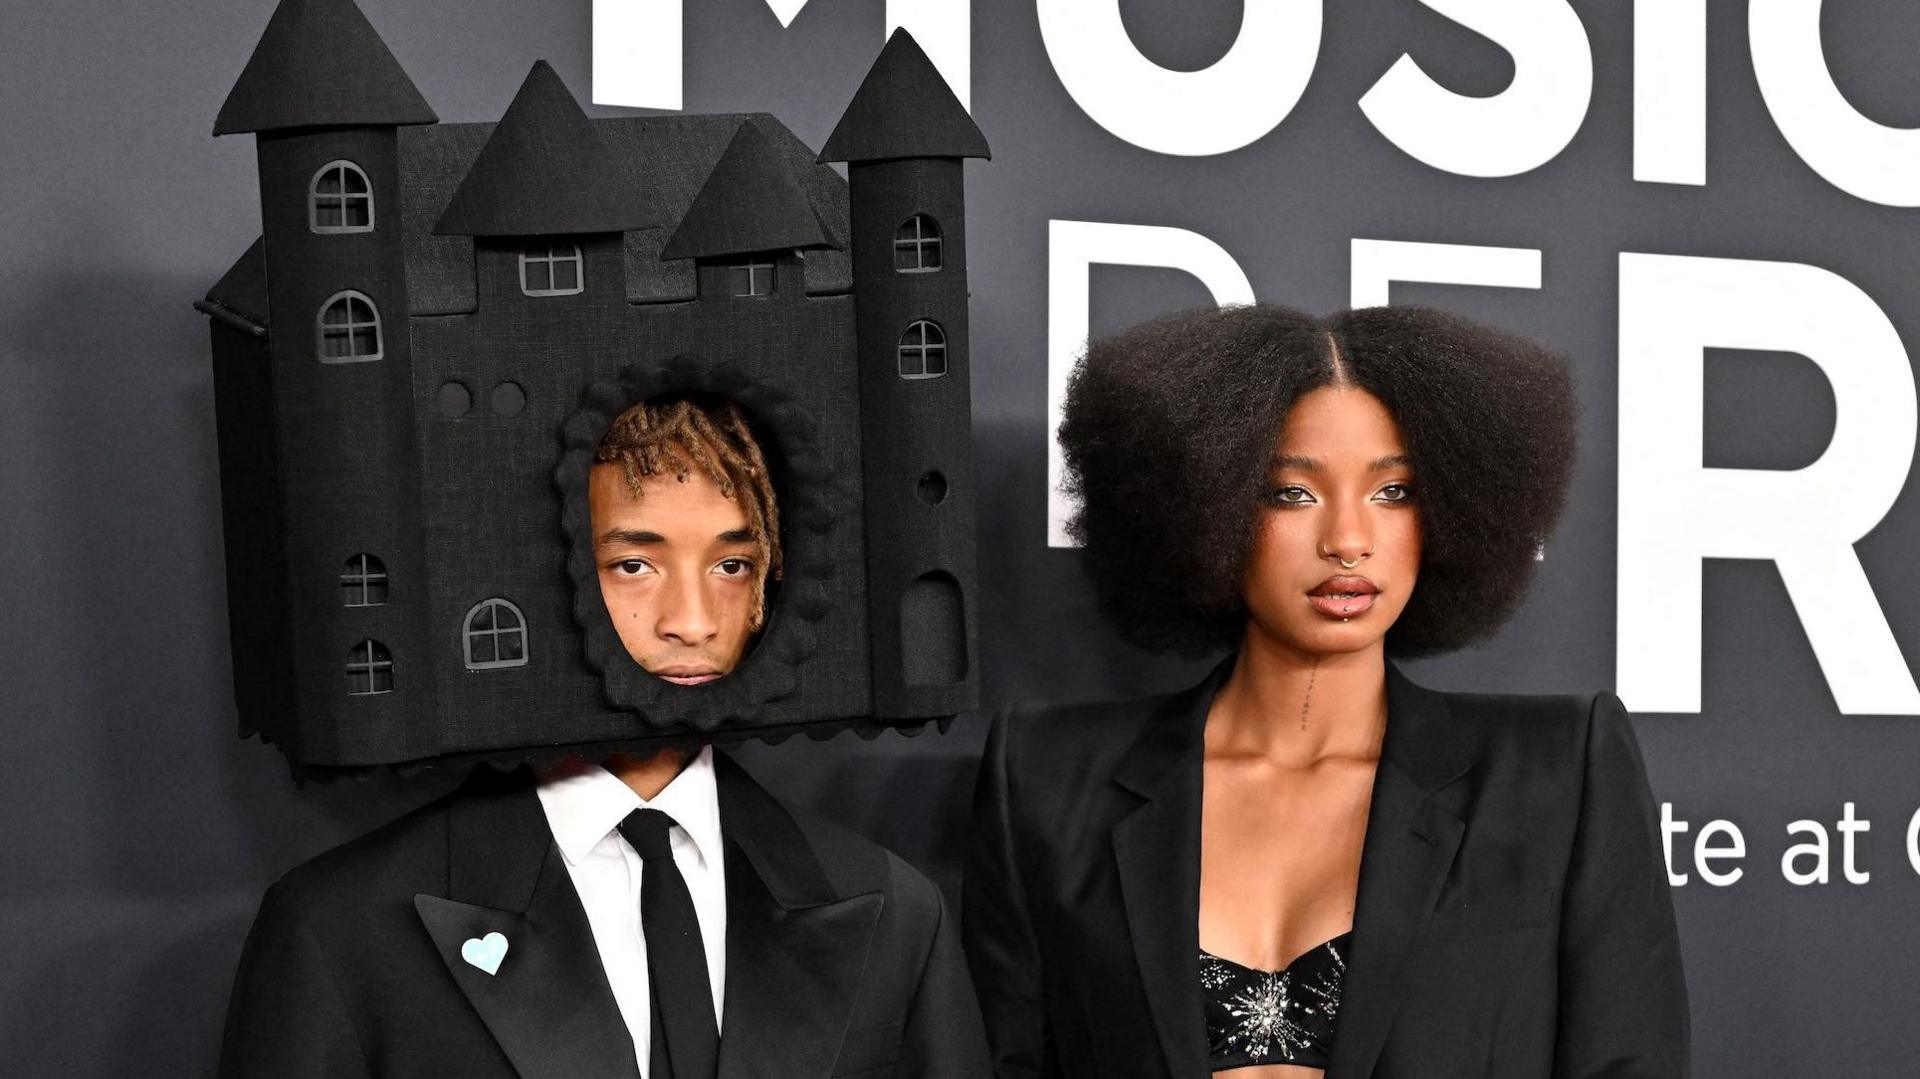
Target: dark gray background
point(141, 832)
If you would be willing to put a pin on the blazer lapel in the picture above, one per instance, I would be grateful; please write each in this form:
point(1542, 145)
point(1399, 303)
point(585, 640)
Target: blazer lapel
point(546, 1001)
point(1411, 838)
point(1157, 849)
point(796, 947)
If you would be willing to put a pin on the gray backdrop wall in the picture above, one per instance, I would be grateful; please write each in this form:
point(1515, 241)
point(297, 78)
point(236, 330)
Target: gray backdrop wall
point(141, 832)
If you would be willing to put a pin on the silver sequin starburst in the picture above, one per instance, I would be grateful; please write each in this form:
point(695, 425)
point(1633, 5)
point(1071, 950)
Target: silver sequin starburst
point(1260, 1016)
point(1276, 1016)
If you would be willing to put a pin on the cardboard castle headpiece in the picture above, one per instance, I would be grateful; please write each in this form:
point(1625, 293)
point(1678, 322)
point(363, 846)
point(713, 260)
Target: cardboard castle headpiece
point(415, 362)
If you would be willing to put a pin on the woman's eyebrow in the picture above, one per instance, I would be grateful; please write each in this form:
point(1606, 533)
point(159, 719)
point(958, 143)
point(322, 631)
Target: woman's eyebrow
point(1309, 464)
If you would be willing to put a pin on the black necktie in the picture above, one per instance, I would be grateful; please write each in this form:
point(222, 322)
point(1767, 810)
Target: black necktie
point(682, 998)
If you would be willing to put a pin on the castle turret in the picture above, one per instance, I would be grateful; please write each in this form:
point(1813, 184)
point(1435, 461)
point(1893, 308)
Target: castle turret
point(546, 202)
point(749, 222)
point(544, 171)
point(325, 99)
point(904, 137)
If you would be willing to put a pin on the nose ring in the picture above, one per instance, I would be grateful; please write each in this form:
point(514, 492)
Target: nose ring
point(1344, 564)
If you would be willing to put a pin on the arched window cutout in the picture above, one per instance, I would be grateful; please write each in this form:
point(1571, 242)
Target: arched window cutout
point(349, 329)
point(933, 631)
point(923, 350)
point(363, 582)
point(916, 245)
point(496, 635)
point(548, 269)
point(369, 669)
point(340, 199)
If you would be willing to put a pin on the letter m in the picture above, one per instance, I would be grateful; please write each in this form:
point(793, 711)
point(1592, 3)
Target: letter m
point(637, 45)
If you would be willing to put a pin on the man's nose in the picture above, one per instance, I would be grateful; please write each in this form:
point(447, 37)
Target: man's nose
point(686, 615)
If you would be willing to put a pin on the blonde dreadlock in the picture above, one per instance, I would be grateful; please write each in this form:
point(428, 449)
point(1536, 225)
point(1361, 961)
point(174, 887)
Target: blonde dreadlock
point(681, 436)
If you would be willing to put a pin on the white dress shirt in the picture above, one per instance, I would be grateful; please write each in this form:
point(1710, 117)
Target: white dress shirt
point(585, 804)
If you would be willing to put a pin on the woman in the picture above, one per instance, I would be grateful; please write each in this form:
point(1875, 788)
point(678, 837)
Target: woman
point(1308, 862)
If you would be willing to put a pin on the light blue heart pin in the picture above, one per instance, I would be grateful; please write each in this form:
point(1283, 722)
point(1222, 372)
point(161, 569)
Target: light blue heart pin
point(485, 952)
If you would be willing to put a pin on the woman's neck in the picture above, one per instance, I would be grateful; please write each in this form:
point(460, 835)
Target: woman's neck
point(1296, 709)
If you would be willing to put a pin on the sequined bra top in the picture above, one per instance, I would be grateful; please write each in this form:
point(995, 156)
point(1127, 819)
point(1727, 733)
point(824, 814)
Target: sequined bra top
point(1273, 1017)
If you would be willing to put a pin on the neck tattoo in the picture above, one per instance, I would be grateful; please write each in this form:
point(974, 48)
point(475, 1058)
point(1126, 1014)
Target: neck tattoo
point(1307, 702)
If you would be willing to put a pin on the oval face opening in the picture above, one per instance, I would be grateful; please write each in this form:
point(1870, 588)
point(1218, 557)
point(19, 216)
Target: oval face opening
point(684, 501)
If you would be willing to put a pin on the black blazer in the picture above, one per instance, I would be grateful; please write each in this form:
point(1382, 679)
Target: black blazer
point(1513, 917)
point(840, 959)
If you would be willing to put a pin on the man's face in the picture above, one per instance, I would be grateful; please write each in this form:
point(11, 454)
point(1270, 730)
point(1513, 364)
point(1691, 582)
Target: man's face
point(677, 572)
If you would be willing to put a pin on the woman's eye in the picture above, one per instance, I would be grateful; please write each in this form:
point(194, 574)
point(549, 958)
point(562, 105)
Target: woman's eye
point(632, 567)
point(1396, 492)
point(1290, 495)
point(733, 567)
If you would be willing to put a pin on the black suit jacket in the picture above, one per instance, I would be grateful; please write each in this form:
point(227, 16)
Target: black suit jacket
point(840, 958)
point(1513, 917)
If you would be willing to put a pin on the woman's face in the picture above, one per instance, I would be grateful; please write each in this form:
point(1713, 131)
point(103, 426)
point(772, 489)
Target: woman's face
point(1339, 489)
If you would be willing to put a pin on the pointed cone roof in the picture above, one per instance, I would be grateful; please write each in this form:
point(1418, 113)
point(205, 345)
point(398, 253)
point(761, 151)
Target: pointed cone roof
point(320, 64)
point(543, 172)
point(904, 109)
point(751, 202)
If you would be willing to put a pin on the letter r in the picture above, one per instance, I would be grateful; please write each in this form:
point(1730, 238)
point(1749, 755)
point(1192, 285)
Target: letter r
point(1674, 512)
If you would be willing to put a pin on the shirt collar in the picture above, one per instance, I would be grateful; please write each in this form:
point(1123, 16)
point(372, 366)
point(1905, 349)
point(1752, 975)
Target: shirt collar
point(585, 803)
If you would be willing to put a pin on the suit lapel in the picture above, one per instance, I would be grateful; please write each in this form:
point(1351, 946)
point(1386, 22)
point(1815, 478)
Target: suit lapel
point(796, 948)
point(1413, 832)
point(1157, 850)
point(547, 1003)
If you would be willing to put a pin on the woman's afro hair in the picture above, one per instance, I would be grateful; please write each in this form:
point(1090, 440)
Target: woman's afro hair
point(1169, 428)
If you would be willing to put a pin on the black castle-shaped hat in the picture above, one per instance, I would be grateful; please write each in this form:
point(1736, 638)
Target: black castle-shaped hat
point(416, 361)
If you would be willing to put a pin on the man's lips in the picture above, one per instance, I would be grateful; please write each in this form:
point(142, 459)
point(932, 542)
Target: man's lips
point(1343, 596)
point(683, 675)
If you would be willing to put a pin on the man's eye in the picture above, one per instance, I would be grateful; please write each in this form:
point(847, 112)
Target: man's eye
point(733, 567)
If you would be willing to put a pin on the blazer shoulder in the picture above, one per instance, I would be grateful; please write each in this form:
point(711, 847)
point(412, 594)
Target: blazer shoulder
point(1524, 711)
point(408, 853)
point(1088, 718)
point(1539, 727)
point(855, 863)
point(1097, 734)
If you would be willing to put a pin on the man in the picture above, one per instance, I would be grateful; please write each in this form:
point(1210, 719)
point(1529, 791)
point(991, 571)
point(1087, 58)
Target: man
point(663, 916)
